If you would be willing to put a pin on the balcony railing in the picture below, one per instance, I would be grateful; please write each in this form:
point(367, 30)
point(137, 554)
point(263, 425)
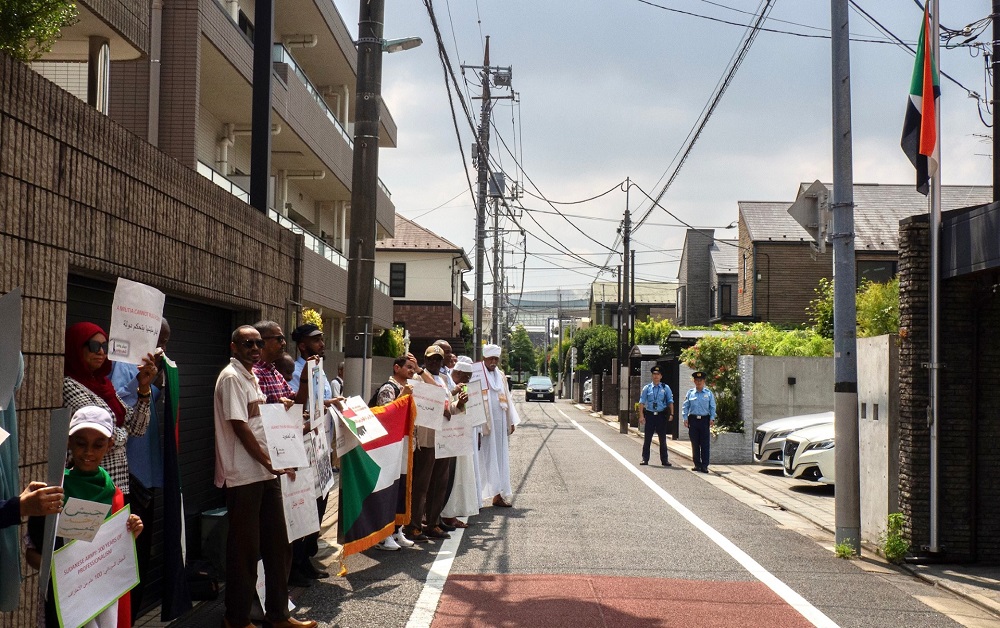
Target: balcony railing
point(382, 287)
point(313, 242)
point(281, 55)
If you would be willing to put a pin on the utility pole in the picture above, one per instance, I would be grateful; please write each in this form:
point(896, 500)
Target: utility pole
point(260, 144)
point(483, 164)
point(364, 191)
point(623, 322)
point(631, 307)
point(996, 99)
point(502, 77)
point(848, 501)
point(559, 342)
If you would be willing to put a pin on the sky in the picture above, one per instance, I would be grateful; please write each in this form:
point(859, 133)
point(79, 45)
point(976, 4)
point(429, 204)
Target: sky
point(608, 90)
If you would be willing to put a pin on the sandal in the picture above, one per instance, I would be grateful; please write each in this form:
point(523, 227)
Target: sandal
point(455, 522)
point(501, 502)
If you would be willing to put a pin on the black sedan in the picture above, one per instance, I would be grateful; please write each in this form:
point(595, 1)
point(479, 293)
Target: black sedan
point(540, 389)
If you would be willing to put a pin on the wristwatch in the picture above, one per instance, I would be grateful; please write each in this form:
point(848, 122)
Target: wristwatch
point(420, 372)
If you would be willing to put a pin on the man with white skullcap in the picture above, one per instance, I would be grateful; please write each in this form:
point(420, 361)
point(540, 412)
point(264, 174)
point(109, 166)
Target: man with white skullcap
point(494, 456)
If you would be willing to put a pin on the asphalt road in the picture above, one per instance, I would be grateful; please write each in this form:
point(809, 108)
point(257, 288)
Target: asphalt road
point(595, 540)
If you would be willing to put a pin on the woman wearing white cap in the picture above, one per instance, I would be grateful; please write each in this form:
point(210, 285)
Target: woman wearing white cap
point(494, 456)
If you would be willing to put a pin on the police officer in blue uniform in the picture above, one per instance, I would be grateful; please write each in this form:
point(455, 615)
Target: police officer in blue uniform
point(699, 415)
point(657, 401)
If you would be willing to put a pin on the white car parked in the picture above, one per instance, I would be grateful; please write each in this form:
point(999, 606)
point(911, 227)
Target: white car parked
point(809, 454)
point(769, 438)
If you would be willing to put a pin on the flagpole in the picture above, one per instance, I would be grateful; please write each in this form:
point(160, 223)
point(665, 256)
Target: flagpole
point(935, 289)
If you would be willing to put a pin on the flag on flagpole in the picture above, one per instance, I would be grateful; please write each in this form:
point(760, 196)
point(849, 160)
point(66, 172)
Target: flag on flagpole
point(176, 599)
point(373, 475)
point(919, 140)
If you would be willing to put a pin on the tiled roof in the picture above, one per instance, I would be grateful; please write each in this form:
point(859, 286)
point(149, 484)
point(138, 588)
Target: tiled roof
point(725, 256)
point(646, 292)
point(878, 209)
point(412, 237)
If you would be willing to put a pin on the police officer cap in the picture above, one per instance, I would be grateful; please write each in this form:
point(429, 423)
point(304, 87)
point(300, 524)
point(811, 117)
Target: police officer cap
point(698, 375)
point(655, 369)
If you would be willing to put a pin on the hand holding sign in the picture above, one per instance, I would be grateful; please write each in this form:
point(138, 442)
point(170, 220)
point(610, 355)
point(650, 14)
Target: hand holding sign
point(136, 316)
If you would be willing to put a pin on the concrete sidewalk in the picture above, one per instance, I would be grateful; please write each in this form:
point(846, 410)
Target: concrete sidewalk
point(814, 502)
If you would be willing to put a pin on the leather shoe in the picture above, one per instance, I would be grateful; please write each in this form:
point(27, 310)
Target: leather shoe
point(667, 464)
point(436, 533)
point(455, 522)
point(415, 535)
point(226, 624)
point(291, 622)
point(643, 463)
point(446, 527)
point(298, 579)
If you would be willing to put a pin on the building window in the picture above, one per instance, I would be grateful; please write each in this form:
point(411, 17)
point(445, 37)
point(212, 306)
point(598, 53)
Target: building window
point(726, 299)
point(397, 280)
point(878, 271)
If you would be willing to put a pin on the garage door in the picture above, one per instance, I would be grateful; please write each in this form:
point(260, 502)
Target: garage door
point(199, 344)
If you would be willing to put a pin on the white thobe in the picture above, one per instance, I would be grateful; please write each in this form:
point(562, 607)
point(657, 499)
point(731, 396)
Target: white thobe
point(494, 457)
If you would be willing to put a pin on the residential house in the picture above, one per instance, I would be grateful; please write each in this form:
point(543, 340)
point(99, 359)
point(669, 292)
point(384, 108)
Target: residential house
point(424, 274)
point(656, 299)
point(778, 271)
point(706, 278)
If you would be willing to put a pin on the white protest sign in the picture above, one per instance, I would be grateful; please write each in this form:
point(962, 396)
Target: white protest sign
point(430, 401)
point(452, 438)
point(262, 589)
point(81, 519)
point(346, 439)
point(317, 386)
point(479, 376)
point(475, 407)
point(89, 577)
point(136, 315)
point(325, 479)
point(362, 420)
point(10, 344)
point(298, 497)
point(283, 433)
point(3, 435)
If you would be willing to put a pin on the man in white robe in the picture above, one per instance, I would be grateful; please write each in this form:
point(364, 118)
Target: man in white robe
point(494, 456)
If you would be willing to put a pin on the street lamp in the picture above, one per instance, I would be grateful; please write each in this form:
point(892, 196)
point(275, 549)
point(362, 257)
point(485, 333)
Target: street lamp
point(364, 194)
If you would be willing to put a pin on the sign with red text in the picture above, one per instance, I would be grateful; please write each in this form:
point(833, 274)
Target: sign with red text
point(298, 497)
point(136, 315)
point(89, 577)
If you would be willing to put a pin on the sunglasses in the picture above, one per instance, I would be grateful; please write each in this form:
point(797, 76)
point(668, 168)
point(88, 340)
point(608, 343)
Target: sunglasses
point(96, 347)
point(250, 344)
point(278, 338)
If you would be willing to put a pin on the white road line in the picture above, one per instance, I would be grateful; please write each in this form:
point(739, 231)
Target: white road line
point(430, 595)
point(785, 592)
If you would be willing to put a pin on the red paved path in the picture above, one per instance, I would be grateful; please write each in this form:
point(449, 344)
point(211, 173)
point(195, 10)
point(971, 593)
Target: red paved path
point(599, 601)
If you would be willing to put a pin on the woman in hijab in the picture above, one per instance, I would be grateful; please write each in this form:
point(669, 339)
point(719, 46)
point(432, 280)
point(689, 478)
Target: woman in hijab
point(86, 383)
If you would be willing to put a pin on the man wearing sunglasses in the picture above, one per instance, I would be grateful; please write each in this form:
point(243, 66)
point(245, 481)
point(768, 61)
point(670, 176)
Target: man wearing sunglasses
point(253, 493)
point(272, 383)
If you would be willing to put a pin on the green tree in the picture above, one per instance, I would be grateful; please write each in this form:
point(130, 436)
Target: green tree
point(389, 343)
point(522, 351)
point(466, 334)
point(653, 332)
point(600, 348)
point(29, 28)
point(820, 309)
point(878, 308)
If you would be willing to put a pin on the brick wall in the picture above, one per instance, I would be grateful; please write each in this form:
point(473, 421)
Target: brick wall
point(128, 17)
point(82, 194)
point(427, 320)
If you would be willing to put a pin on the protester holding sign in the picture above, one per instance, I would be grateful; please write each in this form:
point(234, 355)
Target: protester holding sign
point(86, 383)
point(91, 437)
point(465, 499)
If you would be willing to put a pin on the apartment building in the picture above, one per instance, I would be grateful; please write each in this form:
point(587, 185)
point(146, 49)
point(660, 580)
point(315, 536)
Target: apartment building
point(126, 154)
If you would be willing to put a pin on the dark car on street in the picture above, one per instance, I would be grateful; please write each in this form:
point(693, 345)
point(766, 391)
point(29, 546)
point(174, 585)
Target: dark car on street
point(539, 389)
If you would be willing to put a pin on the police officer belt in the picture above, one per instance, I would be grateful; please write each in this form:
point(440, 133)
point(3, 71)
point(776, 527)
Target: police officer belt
point(698, 416)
